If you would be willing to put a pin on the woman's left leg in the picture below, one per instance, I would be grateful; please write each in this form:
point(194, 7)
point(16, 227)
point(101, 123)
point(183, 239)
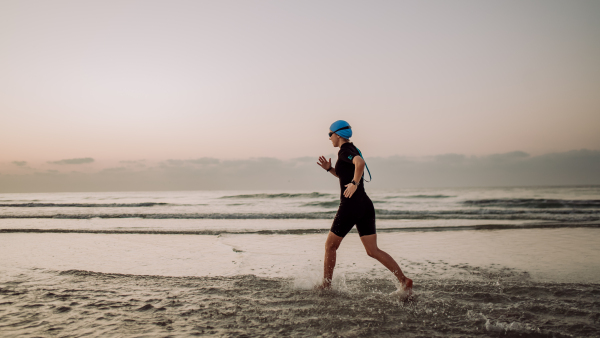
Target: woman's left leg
point(370, 243)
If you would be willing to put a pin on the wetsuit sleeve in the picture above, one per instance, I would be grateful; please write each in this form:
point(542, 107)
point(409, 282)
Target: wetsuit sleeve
point(347, 155)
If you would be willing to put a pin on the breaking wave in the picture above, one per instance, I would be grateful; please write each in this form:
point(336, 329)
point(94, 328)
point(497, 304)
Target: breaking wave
point(282, 195)
point(534, 203)
point(326, 204)
point(307, 231)
point(312, 215)
point(82, 205)
point(500, 214)
point(563, 215)
point(331, 204)
point(429, 196)
point(421, 196)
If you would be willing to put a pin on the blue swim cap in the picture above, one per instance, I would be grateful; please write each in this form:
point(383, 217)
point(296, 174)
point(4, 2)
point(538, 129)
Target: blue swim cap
point(345, 133)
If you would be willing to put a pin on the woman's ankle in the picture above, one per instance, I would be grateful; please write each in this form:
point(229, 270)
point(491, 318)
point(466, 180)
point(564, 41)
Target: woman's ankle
point(405, 280)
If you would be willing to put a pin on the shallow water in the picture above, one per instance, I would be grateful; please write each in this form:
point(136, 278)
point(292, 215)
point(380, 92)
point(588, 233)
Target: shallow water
point(485, 302)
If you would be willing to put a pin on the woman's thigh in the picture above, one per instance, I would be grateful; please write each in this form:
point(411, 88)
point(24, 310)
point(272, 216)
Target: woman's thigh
point(369, 242)
point(365, 224)
point(344, 220)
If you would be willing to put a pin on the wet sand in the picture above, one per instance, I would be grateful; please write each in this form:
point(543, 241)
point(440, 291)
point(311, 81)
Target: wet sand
point(479, 302)
point(555, 255)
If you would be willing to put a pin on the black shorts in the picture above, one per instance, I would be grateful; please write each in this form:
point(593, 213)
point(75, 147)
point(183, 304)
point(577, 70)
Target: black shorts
point(357, 210)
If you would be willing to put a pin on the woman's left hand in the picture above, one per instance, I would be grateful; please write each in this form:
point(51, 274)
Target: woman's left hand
point(350, 189)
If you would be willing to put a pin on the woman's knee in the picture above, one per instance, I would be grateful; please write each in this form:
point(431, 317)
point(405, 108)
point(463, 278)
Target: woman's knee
point(373, 252)
point(333, 242)
point(331, 246)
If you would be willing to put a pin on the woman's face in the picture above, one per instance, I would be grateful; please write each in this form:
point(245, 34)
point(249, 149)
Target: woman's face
point(335, 139)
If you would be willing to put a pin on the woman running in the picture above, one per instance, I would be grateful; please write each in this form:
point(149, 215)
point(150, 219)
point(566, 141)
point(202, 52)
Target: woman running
point(355, 208)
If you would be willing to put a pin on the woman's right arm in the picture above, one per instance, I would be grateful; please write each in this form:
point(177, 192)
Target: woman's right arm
point(323, 163)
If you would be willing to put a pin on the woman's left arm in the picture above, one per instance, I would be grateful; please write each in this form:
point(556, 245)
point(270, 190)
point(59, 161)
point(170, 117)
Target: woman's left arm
point(359, 169)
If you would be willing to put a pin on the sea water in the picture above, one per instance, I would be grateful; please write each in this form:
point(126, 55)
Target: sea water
point(522, 261)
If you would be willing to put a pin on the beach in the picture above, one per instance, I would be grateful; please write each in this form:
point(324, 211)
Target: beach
point(485, 262)
point(186, 169)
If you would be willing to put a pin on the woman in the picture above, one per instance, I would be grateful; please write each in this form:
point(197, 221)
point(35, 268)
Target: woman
point(355, 208)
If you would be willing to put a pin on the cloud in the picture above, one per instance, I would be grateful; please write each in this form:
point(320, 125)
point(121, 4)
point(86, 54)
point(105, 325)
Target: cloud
point(114, 169)
point(450, 158)
point(73, 161)
point(134, 163)
point(20, 163)
point(509, 156)
point(508, 169)
point(577, 167)
point(200, 161)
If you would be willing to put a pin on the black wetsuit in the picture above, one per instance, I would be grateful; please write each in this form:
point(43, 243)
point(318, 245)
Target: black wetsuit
point(357, 209)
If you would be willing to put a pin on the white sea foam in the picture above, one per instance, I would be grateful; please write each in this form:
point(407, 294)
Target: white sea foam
point(307, 279)
point(401, 293)
point(498, 326)
point(312, 278)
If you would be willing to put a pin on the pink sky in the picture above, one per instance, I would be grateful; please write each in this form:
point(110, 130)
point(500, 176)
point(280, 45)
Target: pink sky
point(156, 80)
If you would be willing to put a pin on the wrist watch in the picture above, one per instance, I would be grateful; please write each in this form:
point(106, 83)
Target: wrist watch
point(354, 183)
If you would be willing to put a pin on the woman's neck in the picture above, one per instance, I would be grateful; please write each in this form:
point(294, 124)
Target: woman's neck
point(344, 142)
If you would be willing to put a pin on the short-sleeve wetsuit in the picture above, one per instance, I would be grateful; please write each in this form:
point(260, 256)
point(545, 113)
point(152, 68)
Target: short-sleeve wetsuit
point(357, 209)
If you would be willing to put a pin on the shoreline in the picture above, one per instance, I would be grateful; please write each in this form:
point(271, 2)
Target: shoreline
point(312, 231)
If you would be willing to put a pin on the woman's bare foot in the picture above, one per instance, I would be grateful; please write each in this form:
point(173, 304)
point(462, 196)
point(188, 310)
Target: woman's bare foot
point(326, 285)
point(404, 291)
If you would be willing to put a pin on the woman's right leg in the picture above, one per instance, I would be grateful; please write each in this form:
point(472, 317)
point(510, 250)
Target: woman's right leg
point(331, 245)
point(370, 244)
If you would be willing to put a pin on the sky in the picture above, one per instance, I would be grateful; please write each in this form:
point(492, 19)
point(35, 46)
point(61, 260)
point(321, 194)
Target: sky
point(89, 86)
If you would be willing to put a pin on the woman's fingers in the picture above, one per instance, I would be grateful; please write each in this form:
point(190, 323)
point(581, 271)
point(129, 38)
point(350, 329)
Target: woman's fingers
point(324, 163)
point(349, 191)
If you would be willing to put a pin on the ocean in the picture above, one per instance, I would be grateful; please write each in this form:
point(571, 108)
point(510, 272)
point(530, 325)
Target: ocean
point(486, 262)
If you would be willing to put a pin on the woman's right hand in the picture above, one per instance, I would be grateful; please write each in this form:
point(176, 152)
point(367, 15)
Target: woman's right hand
point(324, 163)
